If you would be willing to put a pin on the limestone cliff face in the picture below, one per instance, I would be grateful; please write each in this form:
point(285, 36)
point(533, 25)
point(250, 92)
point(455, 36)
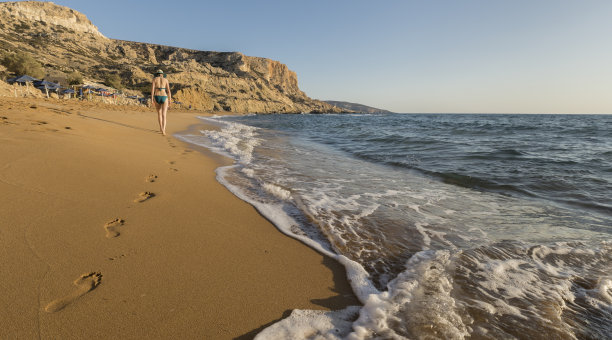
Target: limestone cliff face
point(51, 14)
point(65, 40)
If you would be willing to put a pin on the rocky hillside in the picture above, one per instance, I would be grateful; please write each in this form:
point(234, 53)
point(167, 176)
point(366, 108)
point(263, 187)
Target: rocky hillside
point(64, 40)
point(356, 107)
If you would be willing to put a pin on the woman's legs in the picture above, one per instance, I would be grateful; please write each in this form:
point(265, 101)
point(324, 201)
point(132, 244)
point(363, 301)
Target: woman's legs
point(161, 117)
point(162, 110)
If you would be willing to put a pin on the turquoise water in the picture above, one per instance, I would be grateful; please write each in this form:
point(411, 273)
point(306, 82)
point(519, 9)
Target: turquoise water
point(451, 226)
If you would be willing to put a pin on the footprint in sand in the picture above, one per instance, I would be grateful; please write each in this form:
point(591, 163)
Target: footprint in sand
point(172, 163)
point(111, 227)
point(122, 256)
point(119, 257)
point(84, 284)
point(151, 178)
point(144, 196)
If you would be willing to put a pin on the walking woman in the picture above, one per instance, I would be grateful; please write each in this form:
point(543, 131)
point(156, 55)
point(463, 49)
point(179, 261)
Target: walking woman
point(161, 96)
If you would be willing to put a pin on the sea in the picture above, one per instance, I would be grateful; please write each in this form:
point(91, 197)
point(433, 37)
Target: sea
point(450, 226)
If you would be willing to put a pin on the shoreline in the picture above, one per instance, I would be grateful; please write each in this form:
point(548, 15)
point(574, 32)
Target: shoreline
point(189, 260)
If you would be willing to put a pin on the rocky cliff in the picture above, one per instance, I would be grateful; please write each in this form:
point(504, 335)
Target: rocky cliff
point(64, 40)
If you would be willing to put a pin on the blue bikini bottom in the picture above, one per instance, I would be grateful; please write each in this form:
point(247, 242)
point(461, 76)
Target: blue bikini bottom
point(160, 99)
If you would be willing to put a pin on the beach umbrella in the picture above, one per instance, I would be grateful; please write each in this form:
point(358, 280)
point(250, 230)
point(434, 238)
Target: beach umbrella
point(24, 79)
point(102, 91)
point(68, 92)
point(46, 84)
point(87, 89)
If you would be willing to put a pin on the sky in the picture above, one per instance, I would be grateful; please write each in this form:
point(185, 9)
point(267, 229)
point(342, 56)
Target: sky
point(429, 56)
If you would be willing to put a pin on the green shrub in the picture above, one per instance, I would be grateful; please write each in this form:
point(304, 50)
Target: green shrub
point(114, 81)
point(22, 63)
point(75, 78)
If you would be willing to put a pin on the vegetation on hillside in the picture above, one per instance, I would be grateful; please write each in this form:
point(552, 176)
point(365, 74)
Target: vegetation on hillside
point(22, 63)
point(75, 78)
point(113, 80)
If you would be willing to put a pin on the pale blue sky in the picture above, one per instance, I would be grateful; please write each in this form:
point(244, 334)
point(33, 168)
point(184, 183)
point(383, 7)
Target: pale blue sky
point(514, 56)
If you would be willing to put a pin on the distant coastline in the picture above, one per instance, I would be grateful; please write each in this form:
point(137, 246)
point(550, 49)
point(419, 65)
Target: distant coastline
point(360, 108)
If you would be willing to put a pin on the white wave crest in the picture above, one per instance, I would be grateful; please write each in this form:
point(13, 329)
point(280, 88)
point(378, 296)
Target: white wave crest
point(277, 191)
point(238, 140)
point(248, 172)
point(418, 302)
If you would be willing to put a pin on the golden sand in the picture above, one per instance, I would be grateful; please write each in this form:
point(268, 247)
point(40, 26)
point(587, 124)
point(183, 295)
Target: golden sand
point(110, 230)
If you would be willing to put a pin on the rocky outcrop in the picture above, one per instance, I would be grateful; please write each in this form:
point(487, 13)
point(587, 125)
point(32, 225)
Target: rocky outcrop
point(360, 108)
point(50, 14)
point(65, 40)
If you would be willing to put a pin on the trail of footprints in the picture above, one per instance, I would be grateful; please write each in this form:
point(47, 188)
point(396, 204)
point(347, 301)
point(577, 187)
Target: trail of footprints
point(173, 145)
point(112, 226)
point(88, 282)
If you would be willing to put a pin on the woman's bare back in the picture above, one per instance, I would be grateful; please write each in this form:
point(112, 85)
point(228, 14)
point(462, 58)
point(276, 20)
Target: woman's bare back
point(161, 84)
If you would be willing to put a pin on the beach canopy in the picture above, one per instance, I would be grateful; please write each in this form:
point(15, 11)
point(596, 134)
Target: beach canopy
point(24, 79)
point(46, 84)
point(88, 87)
point(68, 91)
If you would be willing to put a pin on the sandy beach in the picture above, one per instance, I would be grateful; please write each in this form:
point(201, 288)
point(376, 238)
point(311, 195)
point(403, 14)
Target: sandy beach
point(110, 230)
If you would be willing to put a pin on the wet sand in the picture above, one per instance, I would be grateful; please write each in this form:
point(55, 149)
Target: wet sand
point(109, 229)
